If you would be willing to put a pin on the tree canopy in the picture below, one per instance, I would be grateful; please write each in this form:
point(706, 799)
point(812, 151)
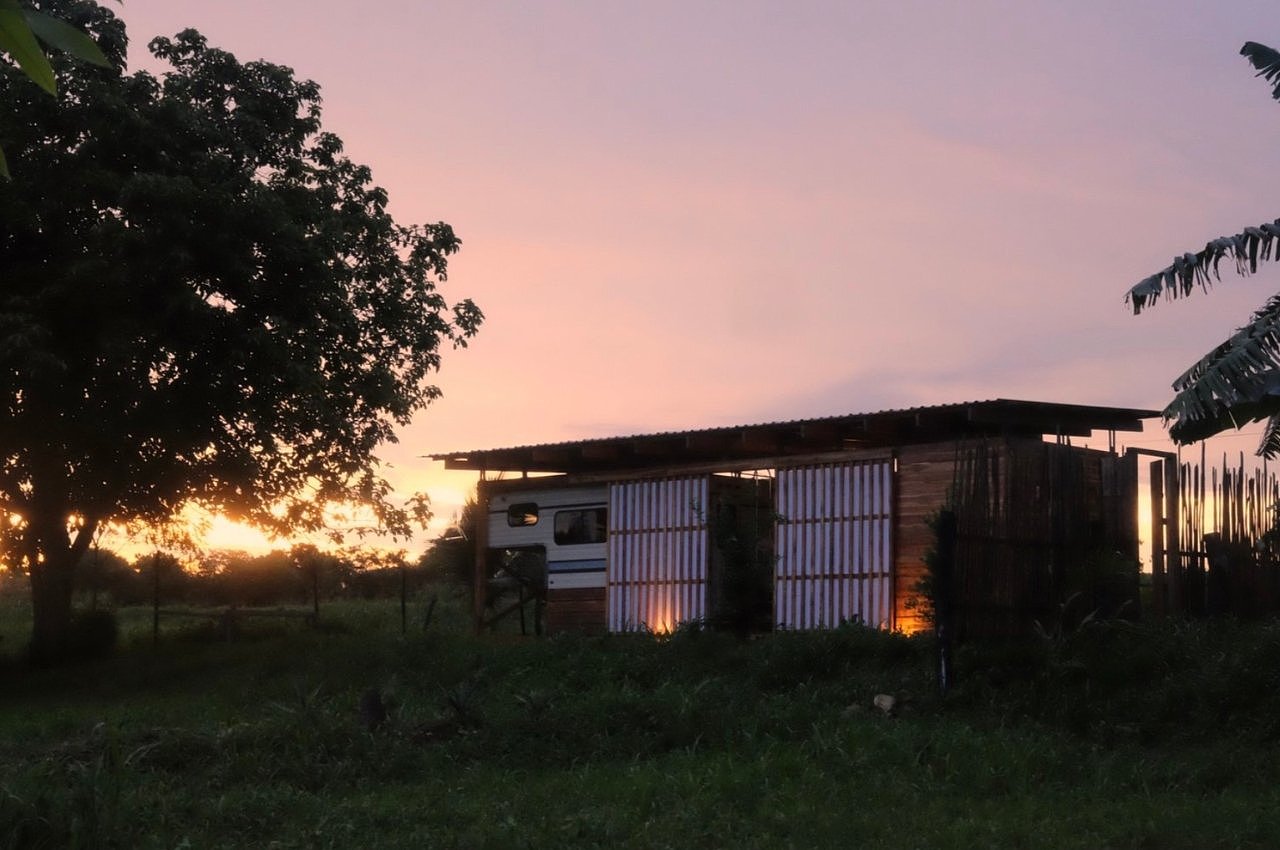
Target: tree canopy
point(204, 301)
point(22, 30)
point(1239, 380)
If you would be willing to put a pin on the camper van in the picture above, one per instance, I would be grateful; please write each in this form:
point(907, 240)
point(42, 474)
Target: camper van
point(565, 529)
point(627, 555)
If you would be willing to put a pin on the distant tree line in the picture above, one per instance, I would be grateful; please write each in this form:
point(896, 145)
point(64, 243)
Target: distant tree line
point(295, 576)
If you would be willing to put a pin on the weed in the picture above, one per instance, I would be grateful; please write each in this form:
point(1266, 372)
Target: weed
point(463, 702)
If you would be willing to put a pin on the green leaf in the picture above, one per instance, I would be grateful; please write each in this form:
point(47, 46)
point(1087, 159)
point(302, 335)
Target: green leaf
point(68, 39)
point(17, 40)
point(1267, 61)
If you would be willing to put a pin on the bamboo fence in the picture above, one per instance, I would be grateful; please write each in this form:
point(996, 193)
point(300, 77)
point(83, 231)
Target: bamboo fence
point(1227, 521)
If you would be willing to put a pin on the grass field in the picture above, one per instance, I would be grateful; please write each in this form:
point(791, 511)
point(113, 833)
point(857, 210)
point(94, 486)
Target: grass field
point(1117, 736)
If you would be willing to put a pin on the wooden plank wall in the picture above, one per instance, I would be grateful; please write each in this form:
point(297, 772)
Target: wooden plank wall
point(1035, 518)
point(925, 476)
point(578, 609)
point(1045, 533)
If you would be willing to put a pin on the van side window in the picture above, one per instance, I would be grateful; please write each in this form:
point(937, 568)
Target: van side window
point(522, 513)
point(588, 525)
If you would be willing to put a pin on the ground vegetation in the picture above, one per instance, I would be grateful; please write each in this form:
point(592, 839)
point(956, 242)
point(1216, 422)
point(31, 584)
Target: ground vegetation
point(1114, 734)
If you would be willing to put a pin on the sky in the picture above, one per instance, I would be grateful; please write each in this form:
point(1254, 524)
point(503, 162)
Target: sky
point(688, 214)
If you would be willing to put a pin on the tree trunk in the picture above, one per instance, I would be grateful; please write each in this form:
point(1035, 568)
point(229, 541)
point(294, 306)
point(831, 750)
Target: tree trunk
point(52, 557)
point(52, 581)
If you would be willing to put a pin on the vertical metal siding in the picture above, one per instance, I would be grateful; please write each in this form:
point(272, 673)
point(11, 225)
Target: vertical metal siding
point(657, 573)
point(833, 545)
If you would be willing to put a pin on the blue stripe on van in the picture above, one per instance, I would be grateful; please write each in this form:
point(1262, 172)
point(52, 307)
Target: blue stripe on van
point(594, 565)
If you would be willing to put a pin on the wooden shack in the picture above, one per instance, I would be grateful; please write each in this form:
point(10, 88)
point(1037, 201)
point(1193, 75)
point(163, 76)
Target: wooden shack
point(812, 522)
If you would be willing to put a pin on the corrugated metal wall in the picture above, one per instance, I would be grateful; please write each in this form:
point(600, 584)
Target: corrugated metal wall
point(657, 553)
point(834, 545)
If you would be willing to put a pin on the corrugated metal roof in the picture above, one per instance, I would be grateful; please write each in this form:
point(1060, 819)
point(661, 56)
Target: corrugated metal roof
point(719, 428)
point(986, 416)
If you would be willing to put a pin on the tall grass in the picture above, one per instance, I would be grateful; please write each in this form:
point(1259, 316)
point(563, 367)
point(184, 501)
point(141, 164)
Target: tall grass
point(1115, 736)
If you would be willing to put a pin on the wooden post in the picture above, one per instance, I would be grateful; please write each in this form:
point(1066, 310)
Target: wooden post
point(404, 598)
point(943, 596)
point(315, 588)
point(1173, 549)
point(1126, 482)
point(155, 599)
point(524, 629)
point(96, 578)
point(1219, 589)
point(478, 586)
point(431, 607)
point(1158, 599)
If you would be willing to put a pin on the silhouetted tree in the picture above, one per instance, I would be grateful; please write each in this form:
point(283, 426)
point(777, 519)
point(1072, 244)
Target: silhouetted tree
point(204, 301)
point(163, 574)
point(23, 29)
point(451, 556)
point(104, 573)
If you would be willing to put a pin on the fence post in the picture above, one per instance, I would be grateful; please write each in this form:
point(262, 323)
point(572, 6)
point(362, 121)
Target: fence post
point(1158, 591)
point(404, 598)
point(1218, 591)
point(479, 575)
point(1172, 545)
point(155, 599)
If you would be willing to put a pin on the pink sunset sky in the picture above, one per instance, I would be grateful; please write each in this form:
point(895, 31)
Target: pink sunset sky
point(687, 214)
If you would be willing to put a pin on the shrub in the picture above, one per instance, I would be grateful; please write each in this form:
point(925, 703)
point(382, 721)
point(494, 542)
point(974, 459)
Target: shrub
point(94, 634)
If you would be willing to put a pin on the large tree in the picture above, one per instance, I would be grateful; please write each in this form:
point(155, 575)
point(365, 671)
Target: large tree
point(22, 30)
point(202, 300)
point(1239, 380)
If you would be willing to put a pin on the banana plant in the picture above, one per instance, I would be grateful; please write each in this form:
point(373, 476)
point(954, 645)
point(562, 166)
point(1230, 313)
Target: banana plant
point(1238, 382)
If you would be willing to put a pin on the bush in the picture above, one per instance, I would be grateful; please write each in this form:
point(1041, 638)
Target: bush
point(94, 634)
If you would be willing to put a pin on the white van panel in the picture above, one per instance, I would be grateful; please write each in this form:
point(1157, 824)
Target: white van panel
point(570, 566)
